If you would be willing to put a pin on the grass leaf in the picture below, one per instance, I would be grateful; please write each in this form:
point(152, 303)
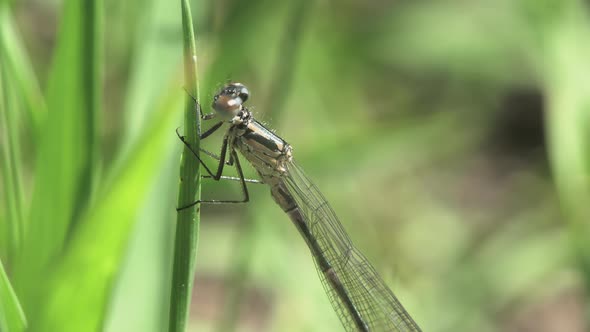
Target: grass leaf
point(568, 120)
point(12, 317)
point(67, 161)
point(79, 288)
point(21, 71)
point(187, 226)
point(11, 167)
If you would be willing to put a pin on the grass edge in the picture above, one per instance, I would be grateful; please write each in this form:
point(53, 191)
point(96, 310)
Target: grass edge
point(187, 226)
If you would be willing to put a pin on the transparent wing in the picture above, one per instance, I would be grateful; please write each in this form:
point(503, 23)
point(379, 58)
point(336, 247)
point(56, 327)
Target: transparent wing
point(356, 291)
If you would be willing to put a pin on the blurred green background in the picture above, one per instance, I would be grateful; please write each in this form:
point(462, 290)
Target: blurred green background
point(451, 138)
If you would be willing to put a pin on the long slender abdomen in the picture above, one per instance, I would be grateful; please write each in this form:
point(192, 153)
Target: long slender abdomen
point(328, 275)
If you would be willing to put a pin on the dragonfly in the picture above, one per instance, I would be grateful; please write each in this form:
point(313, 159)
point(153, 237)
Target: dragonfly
point(359, 296)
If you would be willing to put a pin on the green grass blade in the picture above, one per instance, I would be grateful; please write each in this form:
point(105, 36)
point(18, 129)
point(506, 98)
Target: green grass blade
point(67, 159)
point(12, 317)
point(278, 92)
point(148, 257)
point(568, 127)
point(77, 292)
point(187, 225)
point(21, 71)
point(11, 167)
point(287, 60)
point(153, 57)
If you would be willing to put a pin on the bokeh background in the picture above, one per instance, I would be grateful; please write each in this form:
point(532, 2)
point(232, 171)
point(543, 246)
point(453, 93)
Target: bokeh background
point(451, 138)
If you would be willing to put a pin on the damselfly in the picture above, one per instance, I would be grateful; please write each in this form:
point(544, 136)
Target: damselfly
point(359, 296)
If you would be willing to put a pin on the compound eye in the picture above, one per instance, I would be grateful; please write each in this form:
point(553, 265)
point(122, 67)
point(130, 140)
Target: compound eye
point(238, 90)
point(243, 93)
point(229, 100)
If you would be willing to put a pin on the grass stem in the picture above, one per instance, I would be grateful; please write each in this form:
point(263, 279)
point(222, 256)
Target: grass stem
point(187, 226)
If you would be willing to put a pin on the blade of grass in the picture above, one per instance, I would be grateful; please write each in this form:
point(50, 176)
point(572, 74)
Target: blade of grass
point(76, 294)
point(187, 225)
point(239, 32)
point(21, 71)
point(568, 127)
point(282, 78)
point(11, 166)
point(279, 89)
point(12, 317)
point(67, 161)
point(152, 57)
point(148, 257)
